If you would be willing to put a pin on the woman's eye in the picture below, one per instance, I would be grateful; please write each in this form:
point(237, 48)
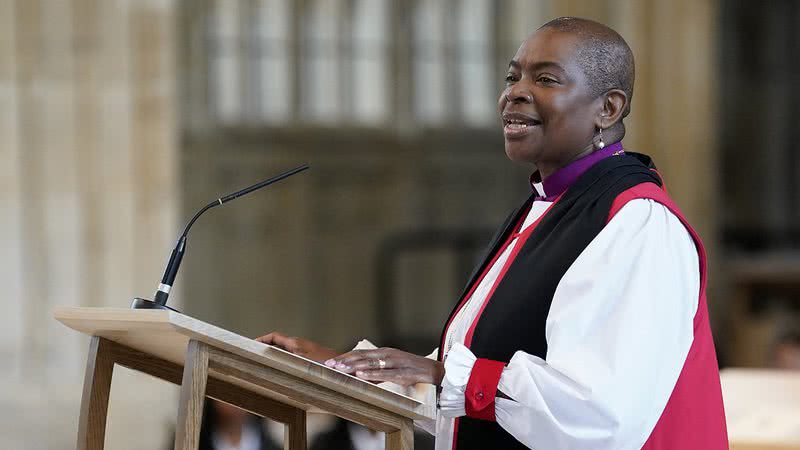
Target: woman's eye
point(547, 80)
point(510, 78)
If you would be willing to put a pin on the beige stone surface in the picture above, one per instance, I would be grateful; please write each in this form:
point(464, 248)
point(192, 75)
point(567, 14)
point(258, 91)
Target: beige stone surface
point(89, 195)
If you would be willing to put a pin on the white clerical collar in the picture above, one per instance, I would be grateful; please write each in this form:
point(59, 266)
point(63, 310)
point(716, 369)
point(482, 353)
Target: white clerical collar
point(539, 189)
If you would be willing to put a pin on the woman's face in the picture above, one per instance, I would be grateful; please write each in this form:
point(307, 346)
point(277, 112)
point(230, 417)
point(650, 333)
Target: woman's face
point(547, 114)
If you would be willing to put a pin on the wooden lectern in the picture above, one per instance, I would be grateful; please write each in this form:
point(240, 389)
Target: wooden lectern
point(208, 361)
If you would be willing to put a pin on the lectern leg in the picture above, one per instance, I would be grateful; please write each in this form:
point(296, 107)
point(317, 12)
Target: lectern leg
point(402, 439)
point(294, 432)
point(94, 402)
point(193, 393)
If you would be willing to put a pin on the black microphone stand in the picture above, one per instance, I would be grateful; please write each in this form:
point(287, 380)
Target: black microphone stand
point(162, 292)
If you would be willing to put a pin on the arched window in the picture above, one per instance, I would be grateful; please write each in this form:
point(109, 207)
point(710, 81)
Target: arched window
point(226, 45)
point(274, 80)
point(476, 80)
point(320, 93)
point(343, 62)
point(429, 76)
point(370, 62)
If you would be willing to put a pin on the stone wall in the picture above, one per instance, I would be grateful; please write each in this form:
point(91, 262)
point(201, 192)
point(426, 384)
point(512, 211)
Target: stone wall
point(88, 154)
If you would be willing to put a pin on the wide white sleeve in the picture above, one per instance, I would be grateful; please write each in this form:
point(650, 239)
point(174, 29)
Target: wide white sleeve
point(618, 332)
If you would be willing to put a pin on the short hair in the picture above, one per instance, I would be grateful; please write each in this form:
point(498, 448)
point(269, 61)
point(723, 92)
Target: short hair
point(604, 56)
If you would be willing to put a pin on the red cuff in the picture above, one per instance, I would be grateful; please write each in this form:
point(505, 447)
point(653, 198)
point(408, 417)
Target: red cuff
point(482, 389)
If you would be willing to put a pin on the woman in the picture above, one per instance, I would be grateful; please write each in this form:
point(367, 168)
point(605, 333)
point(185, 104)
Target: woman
point(585, 326)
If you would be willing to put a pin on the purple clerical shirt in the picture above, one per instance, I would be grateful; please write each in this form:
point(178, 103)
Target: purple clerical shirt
point(560, 180)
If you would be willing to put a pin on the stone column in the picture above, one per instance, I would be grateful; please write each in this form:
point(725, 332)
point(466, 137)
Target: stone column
point(88, 190)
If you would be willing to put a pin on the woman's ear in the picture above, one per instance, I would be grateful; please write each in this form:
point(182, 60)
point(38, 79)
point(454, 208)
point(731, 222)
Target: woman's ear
point(612, 109)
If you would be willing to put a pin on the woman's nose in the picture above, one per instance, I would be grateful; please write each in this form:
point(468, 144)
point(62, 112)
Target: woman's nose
point(518, 94)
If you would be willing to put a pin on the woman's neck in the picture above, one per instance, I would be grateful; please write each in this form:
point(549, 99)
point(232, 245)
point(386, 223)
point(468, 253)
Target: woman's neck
point(610, 136)
point(547, 169)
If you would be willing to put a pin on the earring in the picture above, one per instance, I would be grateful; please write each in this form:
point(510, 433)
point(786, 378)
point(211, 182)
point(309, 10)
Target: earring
point(600, 144)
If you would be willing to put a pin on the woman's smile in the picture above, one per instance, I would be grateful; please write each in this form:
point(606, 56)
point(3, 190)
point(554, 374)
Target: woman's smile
point(517, 125)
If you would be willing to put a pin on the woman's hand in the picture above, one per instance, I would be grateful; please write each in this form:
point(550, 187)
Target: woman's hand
point(298, 346)
point(389, 364)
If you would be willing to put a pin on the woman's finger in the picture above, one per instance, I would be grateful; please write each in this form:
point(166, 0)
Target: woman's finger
point(280, 340)
point(403, 376)
point(377, 374)
point(270, 338)
point(339, 359)
point(348, 359)
point(352, 364)
point(373, 364)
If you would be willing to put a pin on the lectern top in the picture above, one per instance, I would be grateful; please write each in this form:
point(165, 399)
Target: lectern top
point(165, 334)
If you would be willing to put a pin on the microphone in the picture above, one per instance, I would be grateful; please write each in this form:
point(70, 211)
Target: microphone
point(162, 292)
